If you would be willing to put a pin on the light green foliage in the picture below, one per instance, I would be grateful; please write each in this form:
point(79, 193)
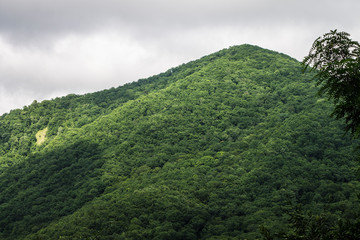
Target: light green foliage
point(208, 150)
point(41, 136)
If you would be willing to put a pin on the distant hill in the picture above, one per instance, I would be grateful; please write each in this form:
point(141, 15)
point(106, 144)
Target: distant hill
point(211, 149)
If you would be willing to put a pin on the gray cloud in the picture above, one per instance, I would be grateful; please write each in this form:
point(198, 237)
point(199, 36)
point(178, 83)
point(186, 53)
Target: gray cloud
point(50, 48)
point(43, 17)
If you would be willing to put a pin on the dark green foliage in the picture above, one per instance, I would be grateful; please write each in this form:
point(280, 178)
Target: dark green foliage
point(211, 149)
point(337, 60)
point(307, 226)
point(47, 186)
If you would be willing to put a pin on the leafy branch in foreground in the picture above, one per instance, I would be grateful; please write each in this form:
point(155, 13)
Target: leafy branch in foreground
point(337, 60)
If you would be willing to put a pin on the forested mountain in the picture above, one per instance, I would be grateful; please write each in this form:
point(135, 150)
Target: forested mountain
point(211, 149)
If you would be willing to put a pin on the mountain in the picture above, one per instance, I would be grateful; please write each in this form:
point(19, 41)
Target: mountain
point(211, 149)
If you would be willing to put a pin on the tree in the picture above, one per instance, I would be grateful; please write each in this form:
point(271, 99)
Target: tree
point(336, 60)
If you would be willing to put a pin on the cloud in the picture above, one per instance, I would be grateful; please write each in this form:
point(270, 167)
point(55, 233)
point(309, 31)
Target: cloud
point(75, 63)
point(52, 48)
point(42, 17)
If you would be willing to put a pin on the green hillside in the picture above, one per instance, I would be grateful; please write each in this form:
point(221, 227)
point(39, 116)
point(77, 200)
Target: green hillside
point(211, 149)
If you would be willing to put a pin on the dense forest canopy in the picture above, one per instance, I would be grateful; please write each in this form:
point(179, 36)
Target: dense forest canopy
point(211, 149)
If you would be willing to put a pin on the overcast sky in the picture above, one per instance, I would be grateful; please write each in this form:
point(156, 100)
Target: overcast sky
point(51, 48)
